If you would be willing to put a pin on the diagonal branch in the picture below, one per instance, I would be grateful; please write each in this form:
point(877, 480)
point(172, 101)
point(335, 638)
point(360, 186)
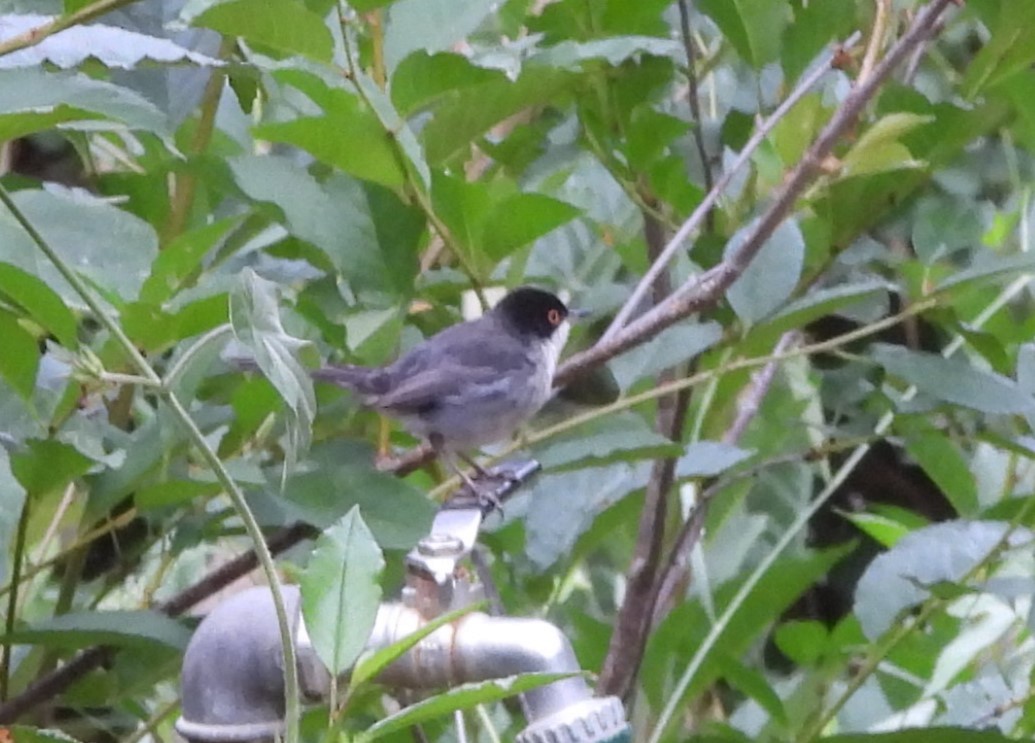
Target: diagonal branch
point(703, 209)
point(706, 290)
point(632, 626)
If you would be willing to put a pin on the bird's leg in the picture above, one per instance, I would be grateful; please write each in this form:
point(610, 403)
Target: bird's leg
point(484, 472)
point(483, 497)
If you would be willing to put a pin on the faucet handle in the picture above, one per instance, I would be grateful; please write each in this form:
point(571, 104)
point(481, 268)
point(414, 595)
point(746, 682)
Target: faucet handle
point(434, 584)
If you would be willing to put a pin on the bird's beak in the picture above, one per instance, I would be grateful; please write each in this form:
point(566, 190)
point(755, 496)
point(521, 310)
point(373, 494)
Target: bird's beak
point(578, 314)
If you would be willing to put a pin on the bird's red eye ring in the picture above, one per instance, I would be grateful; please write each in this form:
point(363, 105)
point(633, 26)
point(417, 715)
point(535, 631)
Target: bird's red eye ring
point(554, 316)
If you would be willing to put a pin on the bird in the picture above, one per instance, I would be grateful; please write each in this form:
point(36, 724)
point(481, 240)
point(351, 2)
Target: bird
point(473, 383)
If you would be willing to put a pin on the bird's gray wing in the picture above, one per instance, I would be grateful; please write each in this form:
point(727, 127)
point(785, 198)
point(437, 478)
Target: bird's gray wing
point(485, 345)
point(423, 391)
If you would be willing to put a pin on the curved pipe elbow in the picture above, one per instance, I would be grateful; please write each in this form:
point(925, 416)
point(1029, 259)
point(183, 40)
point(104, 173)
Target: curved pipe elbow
point(232, 683)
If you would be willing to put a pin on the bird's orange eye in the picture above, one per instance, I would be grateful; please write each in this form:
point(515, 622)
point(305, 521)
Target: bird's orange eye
point(554, 316)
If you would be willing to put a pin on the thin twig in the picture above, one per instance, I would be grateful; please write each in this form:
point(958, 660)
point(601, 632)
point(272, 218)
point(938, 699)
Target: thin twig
point(876, 42)
point(17, 559)
point(632, 625)
point(673, 577)
point(695, 103)
point(34, 36)
point(185, 183)
point(695, 220)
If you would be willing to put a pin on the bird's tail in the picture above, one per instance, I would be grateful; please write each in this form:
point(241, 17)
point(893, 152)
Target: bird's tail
point(362, 379)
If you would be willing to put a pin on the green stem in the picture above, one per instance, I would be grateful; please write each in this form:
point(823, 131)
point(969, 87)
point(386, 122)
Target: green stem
point(198, 439)
point(186, 183)
point(12, 599)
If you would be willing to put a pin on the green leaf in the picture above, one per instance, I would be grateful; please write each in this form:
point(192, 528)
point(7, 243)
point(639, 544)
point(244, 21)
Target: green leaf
point(32, 100)
point(285, 25)
point(753, 27)
point(255, 317)
point(686, 626)
point(423, 79)
point(752, 683)
point(620, 437)
point(1008, 52)
point(572, 54)
point(804, 642)
point(119, 628)
point(370, 665)
point(431, 25)
point(464, 207)
point(989, 267)
point(822, 302)
point(879, 148)
point(111, 248)
point(341, 592)
point(23, 734)
point(48, 464)
point(470, 111)
point(565, 504)
point(180, 260)
point(348, 135)
point(955, 381)
point(521, 219)
point(40, 302)
point(20, 357)
point(369, 235)
point(944, 463)
point(815, 25)
point(709, 458)
point(897, 579)
point(672, 346)
point(396, 512)
point(773, 274)
point(174, 493)
point(923, 735)
point(460, 697)
point(885, 530)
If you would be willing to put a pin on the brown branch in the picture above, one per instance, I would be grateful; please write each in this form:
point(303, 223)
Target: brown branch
point(632, 626)
point(675, 575)
point(715, 193)
point(706, 290)
point(694, 98)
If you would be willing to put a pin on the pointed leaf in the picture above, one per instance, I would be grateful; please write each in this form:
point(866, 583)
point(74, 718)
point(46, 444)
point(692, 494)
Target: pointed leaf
point(341, 592)
point(110, 247)
point(773, 274)
point(899, 579)
point(955, 381)
point(285, 25)
point(460, 697)
point(20, 356)
point(40, 302)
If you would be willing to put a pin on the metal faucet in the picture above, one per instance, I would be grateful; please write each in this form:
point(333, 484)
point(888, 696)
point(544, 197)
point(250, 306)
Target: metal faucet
point(232, 679)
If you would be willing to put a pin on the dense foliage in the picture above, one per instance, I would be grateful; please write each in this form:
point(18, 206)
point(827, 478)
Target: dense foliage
point(787, 493)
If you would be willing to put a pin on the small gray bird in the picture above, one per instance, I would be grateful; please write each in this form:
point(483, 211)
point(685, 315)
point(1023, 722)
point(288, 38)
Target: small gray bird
point(474, 383)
